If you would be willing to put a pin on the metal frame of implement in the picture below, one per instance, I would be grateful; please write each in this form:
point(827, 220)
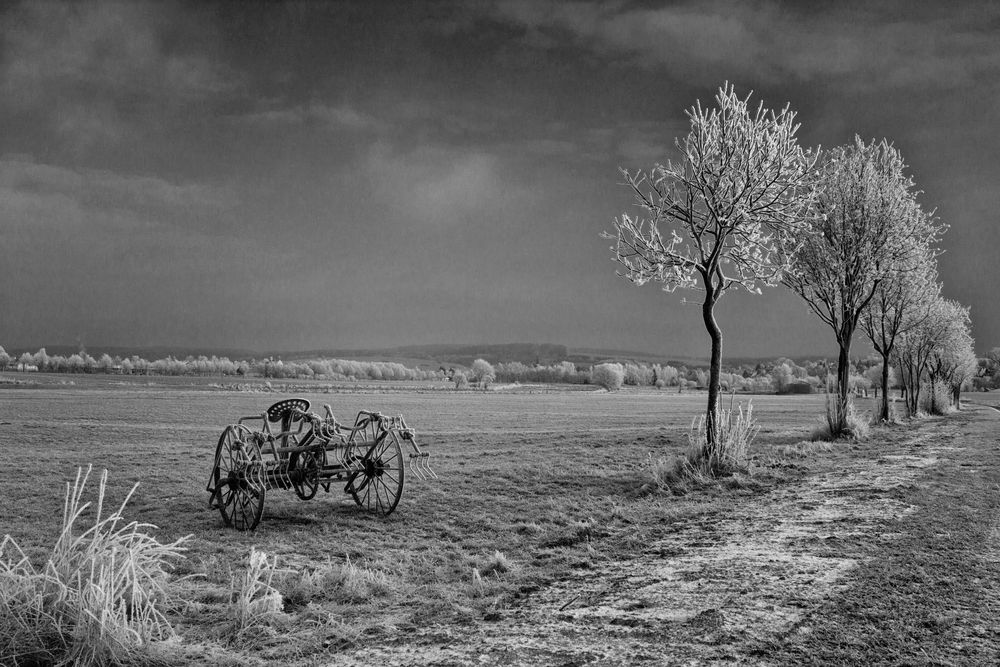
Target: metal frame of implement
point(308, 452)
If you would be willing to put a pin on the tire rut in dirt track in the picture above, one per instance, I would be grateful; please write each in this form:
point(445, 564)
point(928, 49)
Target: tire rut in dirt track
point(704, 590)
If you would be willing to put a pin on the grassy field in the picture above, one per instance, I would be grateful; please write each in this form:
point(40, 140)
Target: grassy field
point(537, 515)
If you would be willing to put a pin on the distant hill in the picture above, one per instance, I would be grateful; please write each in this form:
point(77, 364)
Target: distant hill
point(462, 355)
point(584, 356)
point(421, 356)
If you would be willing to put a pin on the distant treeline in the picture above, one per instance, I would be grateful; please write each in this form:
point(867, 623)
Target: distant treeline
point(781, 376)
point(333, 369)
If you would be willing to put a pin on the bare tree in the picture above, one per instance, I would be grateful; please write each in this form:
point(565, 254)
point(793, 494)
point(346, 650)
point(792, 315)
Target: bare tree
point(897, 307)
point(863, 234)
point(726, 215)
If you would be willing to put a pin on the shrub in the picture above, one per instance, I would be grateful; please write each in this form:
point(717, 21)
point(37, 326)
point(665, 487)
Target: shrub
point(460, 379)
point(609, 376)
point(95, 601)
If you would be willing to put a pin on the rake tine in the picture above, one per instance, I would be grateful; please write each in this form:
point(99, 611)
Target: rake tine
point(425, 462)
point(414, 467)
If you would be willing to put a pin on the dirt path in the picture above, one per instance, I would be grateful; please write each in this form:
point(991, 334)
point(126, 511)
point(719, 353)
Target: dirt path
point(715, 585)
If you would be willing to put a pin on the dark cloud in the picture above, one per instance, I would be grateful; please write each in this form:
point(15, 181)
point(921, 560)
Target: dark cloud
point(280, 175)
point(858, 45)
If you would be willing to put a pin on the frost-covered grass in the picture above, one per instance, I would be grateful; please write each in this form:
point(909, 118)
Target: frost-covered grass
point(99, 596)
point(532, 487)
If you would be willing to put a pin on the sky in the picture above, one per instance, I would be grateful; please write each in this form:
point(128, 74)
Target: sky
point(291, 176)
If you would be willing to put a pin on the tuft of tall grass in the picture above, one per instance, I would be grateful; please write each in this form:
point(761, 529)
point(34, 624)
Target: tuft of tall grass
point(708, 458)
point(252, 596)
point(841, 421)
point(94, 602)
point(337, 582)
point(497, 563)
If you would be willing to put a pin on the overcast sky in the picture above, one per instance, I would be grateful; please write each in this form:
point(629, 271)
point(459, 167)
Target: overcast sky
point(294, 176)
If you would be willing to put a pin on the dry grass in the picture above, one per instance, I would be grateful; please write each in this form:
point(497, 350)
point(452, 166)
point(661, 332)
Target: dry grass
point(842, 421)
point(96, 599)
point(254, 600)
point(547, 480)
point(706, 460)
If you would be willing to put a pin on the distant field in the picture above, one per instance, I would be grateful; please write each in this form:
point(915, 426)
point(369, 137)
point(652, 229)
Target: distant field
point(549, 478)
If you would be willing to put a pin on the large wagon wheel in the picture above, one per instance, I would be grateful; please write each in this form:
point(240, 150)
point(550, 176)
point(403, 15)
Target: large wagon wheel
point(379, 483)
point(238, 476)
point(305, 468)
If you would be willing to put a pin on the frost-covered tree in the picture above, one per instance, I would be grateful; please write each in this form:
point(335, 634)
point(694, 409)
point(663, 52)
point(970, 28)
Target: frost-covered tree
point(726, 214)
point(41, 359)
point(953, 361)
point(899, 304)
point(609, 376)
point(482, 372)
point(866, 223)
point(915, 348)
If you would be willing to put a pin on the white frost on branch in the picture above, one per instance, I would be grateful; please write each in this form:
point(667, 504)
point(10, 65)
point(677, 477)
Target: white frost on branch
point(729, 212)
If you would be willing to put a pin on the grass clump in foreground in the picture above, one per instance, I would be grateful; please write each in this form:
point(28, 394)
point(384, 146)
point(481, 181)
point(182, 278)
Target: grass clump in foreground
point(94, 602)
point(708, 459)
point(253, 598)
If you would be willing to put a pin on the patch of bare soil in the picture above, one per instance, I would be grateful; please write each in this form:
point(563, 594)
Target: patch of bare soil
point(717, 587)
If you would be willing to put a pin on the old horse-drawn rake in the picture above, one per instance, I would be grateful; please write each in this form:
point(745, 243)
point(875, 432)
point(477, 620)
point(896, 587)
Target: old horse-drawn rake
point(306, 453)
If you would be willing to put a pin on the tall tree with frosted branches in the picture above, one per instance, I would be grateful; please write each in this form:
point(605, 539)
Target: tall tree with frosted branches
point(867, 222)
point(725, 215)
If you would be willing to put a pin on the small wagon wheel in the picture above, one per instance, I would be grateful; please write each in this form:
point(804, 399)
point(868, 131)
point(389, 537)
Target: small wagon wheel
point(305, 467)
point(379, 483)
point(238, 476)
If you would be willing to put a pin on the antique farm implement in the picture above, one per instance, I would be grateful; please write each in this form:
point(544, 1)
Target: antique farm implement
point(300, 450)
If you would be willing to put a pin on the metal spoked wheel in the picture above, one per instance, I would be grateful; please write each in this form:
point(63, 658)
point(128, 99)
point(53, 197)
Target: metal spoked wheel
point(238, 476)
point(305, 468)
point(379, 484)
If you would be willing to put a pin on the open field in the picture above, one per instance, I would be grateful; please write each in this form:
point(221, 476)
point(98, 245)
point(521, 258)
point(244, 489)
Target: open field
point(884, 551)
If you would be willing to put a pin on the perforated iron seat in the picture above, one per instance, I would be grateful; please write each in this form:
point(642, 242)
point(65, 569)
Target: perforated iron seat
point(282, 411)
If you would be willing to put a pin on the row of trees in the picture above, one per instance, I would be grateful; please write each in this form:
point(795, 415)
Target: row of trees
point(746, 206)
point(333, 369)
point(780, 376)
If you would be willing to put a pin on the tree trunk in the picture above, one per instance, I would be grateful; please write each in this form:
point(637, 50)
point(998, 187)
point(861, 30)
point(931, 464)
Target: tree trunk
point(715, 366)
point(884, 405)
point(843, 381)
point(914, 397)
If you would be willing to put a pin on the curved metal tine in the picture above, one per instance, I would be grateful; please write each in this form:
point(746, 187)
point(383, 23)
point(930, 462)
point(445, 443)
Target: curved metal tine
point(421, 467)
point(413, 467)
point(425, 460)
